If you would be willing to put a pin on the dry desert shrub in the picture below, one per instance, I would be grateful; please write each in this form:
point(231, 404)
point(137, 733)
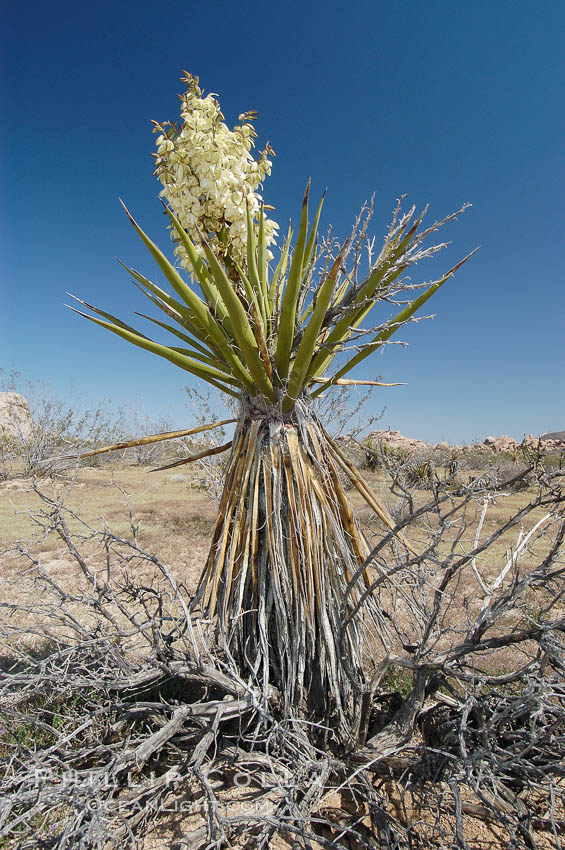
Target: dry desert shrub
point(121, 719)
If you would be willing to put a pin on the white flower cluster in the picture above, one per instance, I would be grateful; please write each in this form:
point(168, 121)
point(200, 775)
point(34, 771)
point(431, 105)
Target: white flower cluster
point(209, 175)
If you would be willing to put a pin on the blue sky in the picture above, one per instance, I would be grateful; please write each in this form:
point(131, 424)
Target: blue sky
point(443, 100)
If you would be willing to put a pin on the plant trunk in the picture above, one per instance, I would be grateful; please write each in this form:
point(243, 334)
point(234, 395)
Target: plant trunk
point(285, 570)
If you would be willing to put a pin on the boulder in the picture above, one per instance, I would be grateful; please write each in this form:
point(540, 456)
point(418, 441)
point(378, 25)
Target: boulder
point(395, 440)
point(501, 444)
point(15, 416)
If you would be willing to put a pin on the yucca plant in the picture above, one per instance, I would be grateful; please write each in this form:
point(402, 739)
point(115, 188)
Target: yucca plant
point(287, 561)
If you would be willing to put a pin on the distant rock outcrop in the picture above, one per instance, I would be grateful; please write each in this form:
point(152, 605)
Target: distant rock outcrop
point(547, 442)
point(394, 440)
point(554, 435)
point(501, 444)
point(15, 416)
point(554, 441)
